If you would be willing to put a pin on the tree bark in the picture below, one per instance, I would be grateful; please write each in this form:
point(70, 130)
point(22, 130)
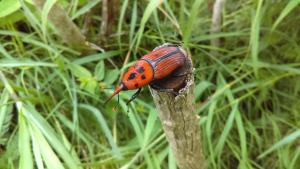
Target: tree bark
point(180, 124)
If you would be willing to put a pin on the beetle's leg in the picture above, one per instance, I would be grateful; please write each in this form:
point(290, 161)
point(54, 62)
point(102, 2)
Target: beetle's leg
point(134, 96)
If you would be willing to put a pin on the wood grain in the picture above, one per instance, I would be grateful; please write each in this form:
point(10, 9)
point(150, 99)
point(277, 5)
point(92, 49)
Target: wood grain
point(180, 124)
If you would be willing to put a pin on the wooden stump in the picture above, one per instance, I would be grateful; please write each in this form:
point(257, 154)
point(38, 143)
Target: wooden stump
point(176, 107)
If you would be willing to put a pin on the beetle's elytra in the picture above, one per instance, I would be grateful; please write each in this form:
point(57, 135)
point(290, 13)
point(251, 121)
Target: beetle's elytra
point(157, 64)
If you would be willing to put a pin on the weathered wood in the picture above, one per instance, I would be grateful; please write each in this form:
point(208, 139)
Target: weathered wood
point(66, 28)
point(180, 124)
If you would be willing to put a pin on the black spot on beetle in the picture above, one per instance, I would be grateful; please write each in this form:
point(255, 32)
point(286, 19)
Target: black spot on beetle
point(141, 70)
point(143, 77)
point(136, 85)
point(131, 76)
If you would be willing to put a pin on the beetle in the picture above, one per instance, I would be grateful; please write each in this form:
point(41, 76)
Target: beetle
point(156, 65)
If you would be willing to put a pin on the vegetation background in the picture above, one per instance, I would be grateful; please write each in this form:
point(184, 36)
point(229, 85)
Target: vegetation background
point(52, 112)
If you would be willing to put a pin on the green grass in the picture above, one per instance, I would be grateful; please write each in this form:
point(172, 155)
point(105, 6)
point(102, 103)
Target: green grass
point(52, 112)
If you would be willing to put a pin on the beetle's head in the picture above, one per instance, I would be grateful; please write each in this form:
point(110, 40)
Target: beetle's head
point(137, 75)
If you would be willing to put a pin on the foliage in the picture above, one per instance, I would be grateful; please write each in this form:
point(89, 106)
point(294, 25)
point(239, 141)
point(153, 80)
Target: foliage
point(52, 112)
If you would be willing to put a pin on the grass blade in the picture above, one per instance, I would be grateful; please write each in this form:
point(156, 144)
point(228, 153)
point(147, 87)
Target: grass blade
point(188, 27)
point(37, 120)
point(5, 115)
point(149, 126)
point(133, 22)
point(19, 63)
point(254, 36)
point(288, 8)
point(286, 140)
point(85, 9)
point(26, 161)
point(122, 14)
point(43, 149)
point(148, 11)
point(102, 122)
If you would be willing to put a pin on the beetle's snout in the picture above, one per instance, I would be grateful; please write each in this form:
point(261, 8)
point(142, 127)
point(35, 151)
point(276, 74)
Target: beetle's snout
point(117, 90)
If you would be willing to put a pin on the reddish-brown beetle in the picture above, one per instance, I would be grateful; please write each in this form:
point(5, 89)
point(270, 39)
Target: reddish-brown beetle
point(156, 65)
